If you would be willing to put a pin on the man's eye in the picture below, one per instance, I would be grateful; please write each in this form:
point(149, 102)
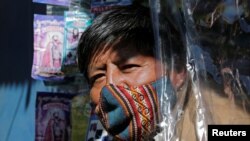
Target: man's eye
point(95, 78)
point(129, 67)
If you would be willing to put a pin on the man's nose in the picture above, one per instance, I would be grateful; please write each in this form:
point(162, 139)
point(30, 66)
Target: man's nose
point(114, 75)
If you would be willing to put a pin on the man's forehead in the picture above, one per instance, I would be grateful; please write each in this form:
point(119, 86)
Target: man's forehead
point(117, 56)
point(99, 58)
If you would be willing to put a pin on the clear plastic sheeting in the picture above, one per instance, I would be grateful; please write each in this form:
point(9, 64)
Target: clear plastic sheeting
point(55, 10)
point(204, 46)
point(80, 5)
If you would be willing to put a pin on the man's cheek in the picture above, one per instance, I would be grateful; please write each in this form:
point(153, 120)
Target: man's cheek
point(147, 76)
point(95, 95)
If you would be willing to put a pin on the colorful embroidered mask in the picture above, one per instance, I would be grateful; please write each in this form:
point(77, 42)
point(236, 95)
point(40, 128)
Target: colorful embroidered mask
point(130, 113)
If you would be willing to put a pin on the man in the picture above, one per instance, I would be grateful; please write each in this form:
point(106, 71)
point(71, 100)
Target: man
point(118, 49)
point(117, 54)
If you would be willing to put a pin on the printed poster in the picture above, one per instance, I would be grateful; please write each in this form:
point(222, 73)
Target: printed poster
point(48, 46)
point(53, 121)
point(75, 24)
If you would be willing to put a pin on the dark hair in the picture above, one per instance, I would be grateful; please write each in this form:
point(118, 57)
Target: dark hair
point(119, 27)
point(172, 44)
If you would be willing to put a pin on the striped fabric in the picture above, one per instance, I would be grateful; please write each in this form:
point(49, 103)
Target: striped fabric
point(129, 113)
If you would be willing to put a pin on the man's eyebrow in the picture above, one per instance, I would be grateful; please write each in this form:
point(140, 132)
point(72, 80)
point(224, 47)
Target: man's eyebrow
point(101, 67)
point(122, 59)
point(125, 60)
point(98, 68)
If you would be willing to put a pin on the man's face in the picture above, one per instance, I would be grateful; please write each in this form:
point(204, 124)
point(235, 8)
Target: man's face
point(124, 67)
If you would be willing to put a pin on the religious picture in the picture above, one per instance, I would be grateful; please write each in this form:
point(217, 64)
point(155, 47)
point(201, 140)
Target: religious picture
point(53, 117)
point(48, 46)
point(75, 23)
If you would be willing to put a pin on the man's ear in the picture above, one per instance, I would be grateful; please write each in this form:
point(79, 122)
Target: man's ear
point(178, 78)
